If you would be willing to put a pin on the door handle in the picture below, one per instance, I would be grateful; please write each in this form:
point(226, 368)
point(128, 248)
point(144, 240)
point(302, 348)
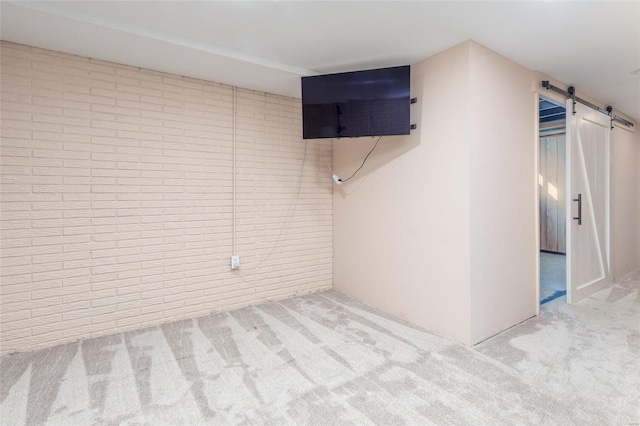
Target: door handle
point(579, 200)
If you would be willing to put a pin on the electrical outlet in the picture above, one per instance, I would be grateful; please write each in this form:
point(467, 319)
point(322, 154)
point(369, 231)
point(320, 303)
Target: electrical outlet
point(235, 262)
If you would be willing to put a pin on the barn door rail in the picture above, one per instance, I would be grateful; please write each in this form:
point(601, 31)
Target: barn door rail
point(570, 93)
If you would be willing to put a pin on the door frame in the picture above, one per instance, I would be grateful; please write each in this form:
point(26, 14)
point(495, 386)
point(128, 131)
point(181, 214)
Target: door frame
point(556, 98)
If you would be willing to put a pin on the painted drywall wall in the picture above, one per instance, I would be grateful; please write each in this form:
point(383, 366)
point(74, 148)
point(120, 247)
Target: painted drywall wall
point(502, 193)
point(117, 198)
point(435, 232)
point(401, 225)
point(441, 227)
point(625, 200)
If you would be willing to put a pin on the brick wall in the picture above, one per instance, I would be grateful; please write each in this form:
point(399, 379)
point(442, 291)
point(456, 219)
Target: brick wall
point(117, 198)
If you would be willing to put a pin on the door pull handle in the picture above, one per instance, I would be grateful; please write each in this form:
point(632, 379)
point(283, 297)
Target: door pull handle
point(579, 200)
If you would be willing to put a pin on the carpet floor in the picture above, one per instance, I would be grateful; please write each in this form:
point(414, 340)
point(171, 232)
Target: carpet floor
point(325, 358)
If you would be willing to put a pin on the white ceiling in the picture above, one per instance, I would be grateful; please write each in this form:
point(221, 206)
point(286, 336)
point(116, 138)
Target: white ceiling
point(269, 45)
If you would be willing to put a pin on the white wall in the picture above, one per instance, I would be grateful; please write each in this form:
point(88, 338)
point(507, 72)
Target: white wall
point(502, 193)
point(440, 227)
point(117, 198)
point(401, 226)
point(625, 201)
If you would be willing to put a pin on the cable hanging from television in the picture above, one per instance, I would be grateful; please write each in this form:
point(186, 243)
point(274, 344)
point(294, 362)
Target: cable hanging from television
point(339, 181)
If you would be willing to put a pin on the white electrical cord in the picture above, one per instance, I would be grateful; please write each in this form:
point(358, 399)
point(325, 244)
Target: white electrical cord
point(233, 190)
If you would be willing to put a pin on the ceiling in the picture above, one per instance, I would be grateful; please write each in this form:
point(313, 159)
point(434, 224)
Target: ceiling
point(269, 45)
point(551, 112)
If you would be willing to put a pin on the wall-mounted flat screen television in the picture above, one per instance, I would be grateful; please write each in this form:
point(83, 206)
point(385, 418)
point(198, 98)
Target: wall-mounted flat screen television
point(361, 103)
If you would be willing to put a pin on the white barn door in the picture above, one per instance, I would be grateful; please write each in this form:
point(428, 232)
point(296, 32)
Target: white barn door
point(588, 221)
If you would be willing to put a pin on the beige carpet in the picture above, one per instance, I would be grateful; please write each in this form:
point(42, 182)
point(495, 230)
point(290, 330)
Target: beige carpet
point(327, 359)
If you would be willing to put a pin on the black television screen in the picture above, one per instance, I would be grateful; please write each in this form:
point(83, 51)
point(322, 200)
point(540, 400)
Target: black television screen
point(361, 103)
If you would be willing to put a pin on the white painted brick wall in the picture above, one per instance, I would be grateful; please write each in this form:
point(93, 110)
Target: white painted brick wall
point(117, 198)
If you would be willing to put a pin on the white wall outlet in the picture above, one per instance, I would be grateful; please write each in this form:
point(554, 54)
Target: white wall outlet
point(235, 262)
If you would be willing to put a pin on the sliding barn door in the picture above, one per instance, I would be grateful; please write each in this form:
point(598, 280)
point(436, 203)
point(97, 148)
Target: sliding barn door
point(588, 229)
point(551, 178)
